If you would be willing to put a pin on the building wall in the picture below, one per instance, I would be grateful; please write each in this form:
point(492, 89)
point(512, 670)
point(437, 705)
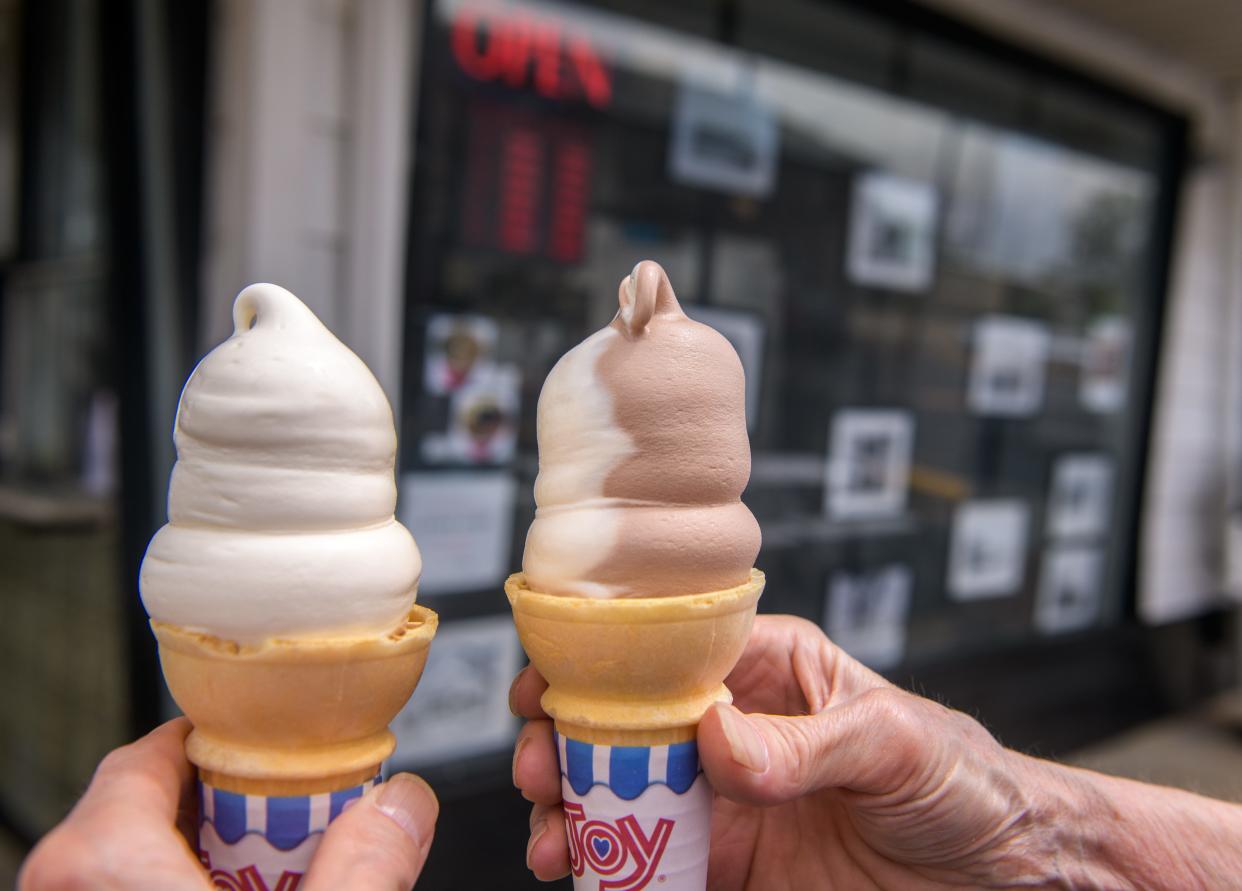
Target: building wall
point(307, 180)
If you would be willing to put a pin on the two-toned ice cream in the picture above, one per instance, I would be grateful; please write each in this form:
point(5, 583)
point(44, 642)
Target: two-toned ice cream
point(643, 457)
point(639, 589)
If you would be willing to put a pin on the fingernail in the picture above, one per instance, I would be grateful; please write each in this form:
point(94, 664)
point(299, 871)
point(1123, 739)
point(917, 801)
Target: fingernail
point(517, 753)
point(536, 833)
point(513, 694)
point(745, 744)
point(409, 802)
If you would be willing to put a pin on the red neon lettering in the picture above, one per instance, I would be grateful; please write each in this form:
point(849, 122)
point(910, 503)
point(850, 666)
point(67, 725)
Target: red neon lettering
point(517, 38)
point(479, 64)
point(596, 84)
point(520, 49)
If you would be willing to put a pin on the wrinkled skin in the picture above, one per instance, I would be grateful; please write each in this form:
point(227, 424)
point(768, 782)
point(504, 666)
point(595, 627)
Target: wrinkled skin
point(865, 786)
point(135, 828)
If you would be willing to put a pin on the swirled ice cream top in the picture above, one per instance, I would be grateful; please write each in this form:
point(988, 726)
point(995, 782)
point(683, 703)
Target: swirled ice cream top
point(643, 456)
point(280, 505)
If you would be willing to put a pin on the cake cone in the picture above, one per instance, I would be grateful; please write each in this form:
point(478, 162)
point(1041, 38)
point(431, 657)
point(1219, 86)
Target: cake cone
point(628, 682)
point(285, 733)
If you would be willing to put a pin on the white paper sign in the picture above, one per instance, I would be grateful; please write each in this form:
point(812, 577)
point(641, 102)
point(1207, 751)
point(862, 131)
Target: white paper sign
point(1069, 589)
point(868, 463)
point(1007, 373)
point(987, 553)
point(745, 333)
point(1081, 495)
point(892, 239)
point(1105, 365)
point(463, 523)
point(723, 141)
point(461, 706)
point(866, 613)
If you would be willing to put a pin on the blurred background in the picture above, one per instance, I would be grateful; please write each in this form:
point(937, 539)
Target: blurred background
point(979, 259)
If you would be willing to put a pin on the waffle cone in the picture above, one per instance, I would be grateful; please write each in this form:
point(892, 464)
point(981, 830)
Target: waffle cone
point(634, 671)
point(292, 717)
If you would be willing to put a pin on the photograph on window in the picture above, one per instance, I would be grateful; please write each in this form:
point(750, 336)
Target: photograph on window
point(1105, 365)
point(1081, 496)
point(865, 613)
point(745, 333)
point(892, 240)
point(1068, 598)
point(987, 556)
point(1008, 367)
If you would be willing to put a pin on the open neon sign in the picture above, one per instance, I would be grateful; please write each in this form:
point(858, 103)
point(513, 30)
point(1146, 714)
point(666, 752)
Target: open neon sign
point(522, 50)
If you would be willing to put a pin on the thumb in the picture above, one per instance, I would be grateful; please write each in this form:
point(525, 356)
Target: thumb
point(869, 744)
point(379, 843)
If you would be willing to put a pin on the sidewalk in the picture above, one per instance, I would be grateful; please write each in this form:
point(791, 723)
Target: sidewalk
point(1200, 751)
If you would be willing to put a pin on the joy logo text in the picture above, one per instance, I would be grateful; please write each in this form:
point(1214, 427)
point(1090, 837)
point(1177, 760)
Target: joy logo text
point(626, 857)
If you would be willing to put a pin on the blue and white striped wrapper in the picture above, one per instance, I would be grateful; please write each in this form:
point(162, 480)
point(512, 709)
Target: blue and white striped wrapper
point(636, 816)
point(262, 842)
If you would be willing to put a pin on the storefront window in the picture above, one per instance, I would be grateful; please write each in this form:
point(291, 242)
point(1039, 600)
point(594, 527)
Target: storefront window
point(935, 266)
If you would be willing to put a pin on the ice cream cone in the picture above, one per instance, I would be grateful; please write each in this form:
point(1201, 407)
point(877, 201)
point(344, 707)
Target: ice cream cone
point(628, 681)
point(643, 668)
point(289, 713)
point(289, 730)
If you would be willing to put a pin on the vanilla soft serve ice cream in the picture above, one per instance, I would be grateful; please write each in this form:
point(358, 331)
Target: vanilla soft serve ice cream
point(643, 456)
point(280, 505)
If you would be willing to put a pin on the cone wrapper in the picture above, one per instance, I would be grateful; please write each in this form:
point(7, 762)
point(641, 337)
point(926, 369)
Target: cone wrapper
point(636, 816)
point(286, 734)
point(256, 842)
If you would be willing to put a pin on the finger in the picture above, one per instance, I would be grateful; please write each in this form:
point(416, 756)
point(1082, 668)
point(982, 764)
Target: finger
point(525, 692)
point(380, 843)
point(872, 744)
point(151, 776)
point(547, 852)
point(536, 769)
point(125, 828)
point(789, 667)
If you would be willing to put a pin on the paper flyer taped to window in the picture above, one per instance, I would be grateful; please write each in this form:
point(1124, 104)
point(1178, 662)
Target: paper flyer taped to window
point(463, 523)
point(461, 706)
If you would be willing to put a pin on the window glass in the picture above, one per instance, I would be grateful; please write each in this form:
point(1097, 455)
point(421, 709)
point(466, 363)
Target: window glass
point(935, 267)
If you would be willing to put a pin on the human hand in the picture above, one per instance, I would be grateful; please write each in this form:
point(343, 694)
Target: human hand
point(827, 776)
point(135, 829)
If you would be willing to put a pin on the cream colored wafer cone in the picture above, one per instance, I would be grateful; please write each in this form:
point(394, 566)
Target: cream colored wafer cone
point(293, 717)
point(633, 671)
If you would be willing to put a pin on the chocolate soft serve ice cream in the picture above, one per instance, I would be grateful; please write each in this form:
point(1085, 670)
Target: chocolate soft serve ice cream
point(280, 505)
point(643, 456)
